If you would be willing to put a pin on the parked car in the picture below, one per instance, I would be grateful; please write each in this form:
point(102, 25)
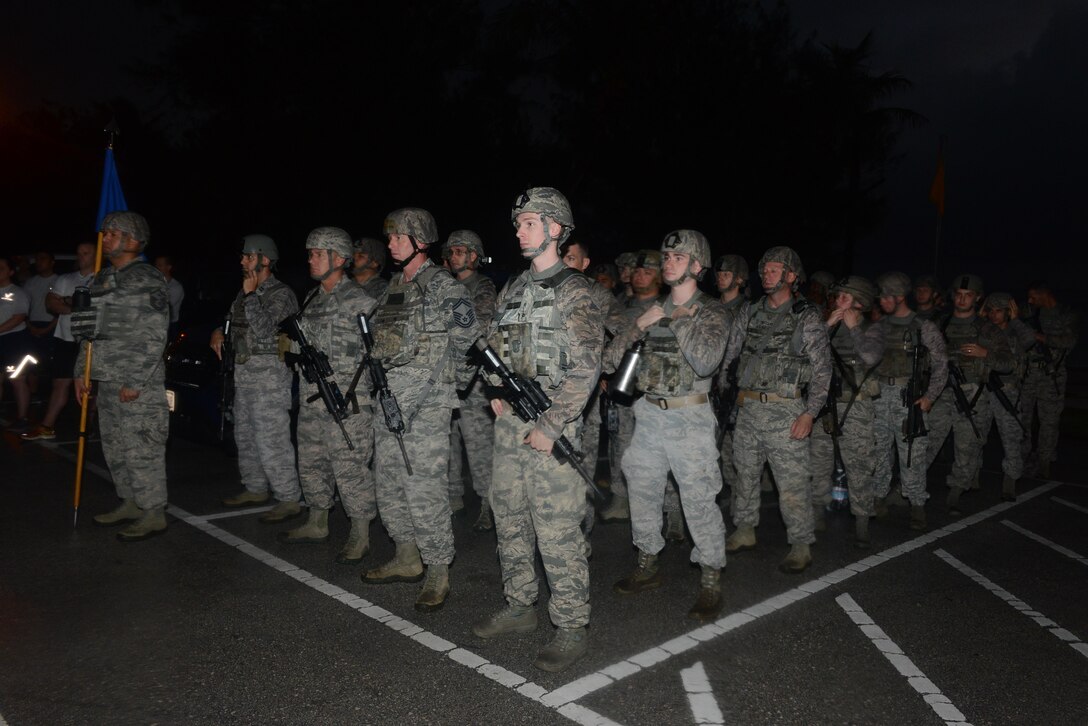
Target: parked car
point(194, 387)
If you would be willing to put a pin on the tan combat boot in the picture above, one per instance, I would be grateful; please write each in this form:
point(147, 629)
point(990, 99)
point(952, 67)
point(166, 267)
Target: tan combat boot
point(511, 619)
point(358, 545)
point(709, 602)
point(568, 645)
point(743, 538)
point(126, 512)
point(314, 531)
point(151, 523)
point(406, 566)
point(645, 577)
point(246, 497)
point(618, 510)
point(917, 518)
point(797, 561)
point(1008, 489)
point(282, 512)
point(436, 586)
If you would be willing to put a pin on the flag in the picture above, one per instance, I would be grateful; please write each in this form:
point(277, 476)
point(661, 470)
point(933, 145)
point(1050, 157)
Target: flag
point(112, 198)
point(936, 189)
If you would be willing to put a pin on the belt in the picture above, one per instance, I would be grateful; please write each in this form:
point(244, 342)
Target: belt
point(761, 396)
point(666, 404)
point(895, 380)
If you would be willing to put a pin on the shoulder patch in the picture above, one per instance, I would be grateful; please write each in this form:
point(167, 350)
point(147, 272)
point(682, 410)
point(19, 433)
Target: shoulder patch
point(464, 314)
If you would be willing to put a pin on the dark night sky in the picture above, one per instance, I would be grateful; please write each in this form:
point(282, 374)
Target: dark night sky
point(1005, 80)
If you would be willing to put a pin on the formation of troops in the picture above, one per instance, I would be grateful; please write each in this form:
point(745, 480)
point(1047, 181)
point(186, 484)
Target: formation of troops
point(706, 400)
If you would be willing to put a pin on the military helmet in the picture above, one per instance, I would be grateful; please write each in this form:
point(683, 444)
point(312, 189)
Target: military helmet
point(648, 259)
point(605, 268)
point(733, 263)
point(863, 291)
point(822, 278)
point(333, 239)
point(260, 244)
point(414, 222)
point(689, 242)
point(998, 301)
point(547, 202)
point(894, 284)
point(466, 238)
point(627, 259)
point(131, 223)
point(790, 259)
point(967, 282)
point(372, 248)
point(929, 281)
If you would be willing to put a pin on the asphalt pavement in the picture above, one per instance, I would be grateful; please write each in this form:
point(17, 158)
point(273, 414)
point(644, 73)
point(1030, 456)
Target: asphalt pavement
point(978, 620)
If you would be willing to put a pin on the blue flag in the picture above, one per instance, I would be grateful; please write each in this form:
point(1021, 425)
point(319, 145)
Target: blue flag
point(112, 198)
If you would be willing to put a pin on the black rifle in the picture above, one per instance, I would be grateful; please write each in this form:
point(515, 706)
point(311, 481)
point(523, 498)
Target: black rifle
point(226, 373)
point(725, 403)
point(315, 368)
point(914, 426)
point(996, 386)
point(962, 404)
point(529, 401)
point(1050, 366)
point(394, 420)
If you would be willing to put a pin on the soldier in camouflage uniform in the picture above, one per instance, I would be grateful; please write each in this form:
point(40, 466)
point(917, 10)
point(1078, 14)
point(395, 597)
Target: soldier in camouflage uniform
point(782, 382)
point(368, 261)
point(1001, 311)
point(625, 264)
point(127, 323)
point(547, 328)
point(262, 383)
point(903, 330)
point(329, 319)
point(927, 297)
point(817, 287)
point(731, 277)
point(856, 348)
point(1055, 328)
point(422, 332)
point(475, 424)
point(975, 347)
point(684, 340)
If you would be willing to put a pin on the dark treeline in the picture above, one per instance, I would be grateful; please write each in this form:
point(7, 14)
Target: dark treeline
point(282, 116)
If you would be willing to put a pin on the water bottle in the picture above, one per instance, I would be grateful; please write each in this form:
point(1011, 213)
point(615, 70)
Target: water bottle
point(840, 493)
point(623, 384)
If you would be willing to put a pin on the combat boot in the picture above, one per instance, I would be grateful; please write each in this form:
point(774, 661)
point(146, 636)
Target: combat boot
point(819, 521)
point(743, 538)
point(797, 561)
point(246, 497)
point(674, 526)
point(568, 645)
point(709, 602)
point(436, 586)
point(315, 531)
point(861, 532)
point(484, 523)
point(151, 523)
point(953, 504)
point(645, 577)
point(282, 512)
point(1008, 489)
point(406, 566)
point(618, 510)
point(127, 512)
point(358, 545)
point(917, 518)
point(511, 619)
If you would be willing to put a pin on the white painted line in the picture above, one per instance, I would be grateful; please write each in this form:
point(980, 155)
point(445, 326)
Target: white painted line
point(236, 513)
point(1069, 504)
point(1017, 604)
point(1043, 540)
point(932, 695)
point(701, 696)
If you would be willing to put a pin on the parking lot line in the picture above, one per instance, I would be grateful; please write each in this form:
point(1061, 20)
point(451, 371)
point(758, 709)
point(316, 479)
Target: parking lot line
point(1017, 604)
point(701, 696)
point(1044, 541)
point(940, 703)
point(1069, 504)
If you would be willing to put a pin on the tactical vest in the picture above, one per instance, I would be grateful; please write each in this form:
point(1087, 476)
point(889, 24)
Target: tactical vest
point(409, 331)
point(331, 330)
point(899, 346)
point(662, 369)
point(115, 322)
point(532, 338)
point(771, 360)
point(246, 342)
point(958, 332)
point(856, 368)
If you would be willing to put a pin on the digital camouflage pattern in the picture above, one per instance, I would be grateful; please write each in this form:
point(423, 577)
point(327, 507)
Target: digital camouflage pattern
point(726, 379)
point(417, 223)
point(1039, 399)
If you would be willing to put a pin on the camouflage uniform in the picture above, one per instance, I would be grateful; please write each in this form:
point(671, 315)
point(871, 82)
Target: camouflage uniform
point(422, 330)
point(325, 465)
point(1018, 338)
point(782, 353)
point(734, 309)
point(674, 425)
point(1038, 395)
point(893, 373)
point(128, 321)
point(475, 423)
point(375, 287)
point(547, 327)
point(262, 395)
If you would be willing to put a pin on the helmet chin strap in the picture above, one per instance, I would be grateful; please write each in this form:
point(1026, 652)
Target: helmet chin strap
point(416, 250)
point(332, 268)
point(686, 276)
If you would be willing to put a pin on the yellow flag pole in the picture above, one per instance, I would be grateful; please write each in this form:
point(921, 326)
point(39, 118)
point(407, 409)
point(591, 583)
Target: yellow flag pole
point(84, 404)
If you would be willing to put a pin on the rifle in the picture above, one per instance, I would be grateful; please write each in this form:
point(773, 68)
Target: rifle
point(1050, 366)
point(226, 372)
point(725, 405)
point(315, 368)
point(529, 401)
point(834, 427)
point(914, 426)
point(394, 420)
point(996, 386)
point(962, 404)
